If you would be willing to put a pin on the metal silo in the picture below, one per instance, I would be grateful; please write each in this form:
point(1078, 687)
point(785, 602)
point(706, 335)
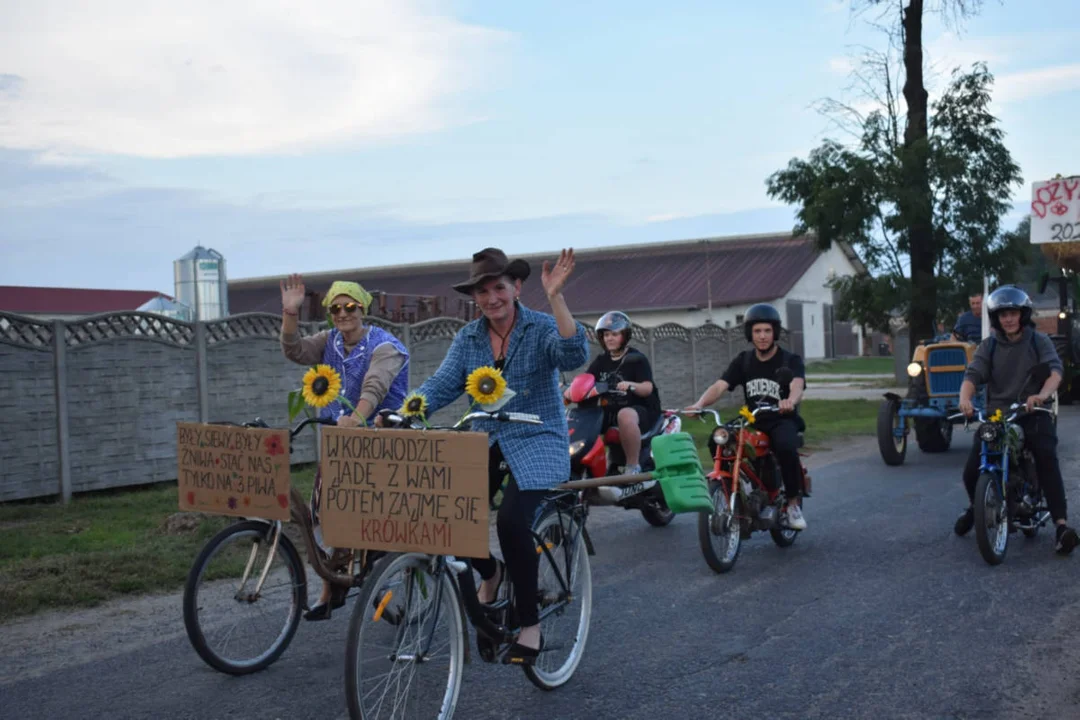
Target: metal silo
point(200, 283)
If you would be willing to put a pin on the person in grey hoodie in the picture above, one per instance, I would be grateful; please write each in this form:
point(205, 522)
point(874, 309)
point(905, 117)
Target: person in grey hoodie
point(1004, 363)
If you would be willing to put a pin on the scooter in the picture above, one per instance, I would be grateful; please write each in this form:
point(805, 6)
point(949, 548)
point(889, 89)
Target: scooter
point(595, 454)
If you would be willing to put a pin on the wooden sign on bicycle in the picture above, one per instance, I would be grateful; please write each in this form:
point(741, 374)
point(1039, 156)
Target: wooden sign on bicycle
point(405, 490)
point(231, 470)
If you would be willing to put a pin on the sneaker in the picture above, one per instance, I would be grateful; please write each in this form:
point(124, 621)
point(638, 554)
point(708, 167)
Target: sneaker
point(965, 522)
point(1066, 539)
point(795, 519)
point(631, 469)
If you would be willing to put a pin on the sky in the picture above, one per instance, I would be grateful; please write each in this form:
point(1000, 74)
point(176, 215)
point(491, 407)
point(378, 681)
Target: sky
point(327, 134)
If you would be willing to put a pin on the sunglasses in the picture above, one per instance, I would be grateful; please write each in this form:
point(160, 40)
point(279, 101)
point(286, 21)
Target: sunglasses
point(348, 307)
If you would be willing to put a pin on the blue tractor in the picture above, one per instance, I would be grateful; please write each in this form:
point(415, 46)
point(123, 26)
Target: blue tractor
point(936, 372)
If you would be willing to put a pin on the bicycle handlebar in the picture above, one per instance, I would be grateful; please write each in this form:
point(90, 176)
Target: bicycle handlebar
point(694, 413)
point(258, 422)
point(716, 415)
point(397, 420)
point(1017, 407)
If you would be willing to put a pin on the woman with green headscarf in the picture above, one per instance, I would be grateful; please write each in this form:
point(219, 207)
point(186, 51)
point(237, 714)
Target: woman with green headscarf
point(372, 363)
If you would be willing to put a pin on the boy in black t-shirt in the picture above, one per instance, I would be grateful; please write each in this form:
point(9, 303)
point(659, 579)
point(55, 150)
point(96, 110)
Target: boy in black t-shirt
point(626, 369)
point(755, 370)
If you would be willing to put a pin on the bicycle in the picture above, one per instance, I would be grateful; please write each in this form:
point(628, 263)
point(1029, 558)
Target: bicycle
point(257, 585)
point(1008, 495)
point(412, 597)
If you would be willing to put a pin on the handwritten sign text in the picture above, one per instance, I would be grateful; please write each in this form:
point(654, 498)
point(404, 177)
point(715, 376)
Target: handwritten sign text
point(229, 470)
point(405, 490)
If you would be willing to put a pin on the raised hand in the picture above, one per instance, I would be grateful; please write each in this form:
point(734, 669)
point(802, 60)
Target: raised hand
point(292, 293)
point(554, 279)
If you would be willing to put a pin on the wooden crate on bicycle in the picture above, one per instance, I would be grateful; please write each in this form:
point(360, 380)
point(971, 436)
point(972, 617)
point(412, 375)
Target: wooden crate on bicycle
point(405, 490)
point(233, 470)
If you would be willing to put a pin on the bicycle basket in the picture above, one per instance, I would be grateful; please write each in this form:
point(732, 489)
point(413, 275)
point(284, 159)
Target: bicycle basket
point(678, 470)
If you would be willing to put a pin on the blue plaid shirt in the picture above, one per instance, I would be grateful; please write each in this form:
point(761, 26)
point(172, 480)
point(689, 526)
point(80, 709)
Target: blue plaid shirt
point(538, 455)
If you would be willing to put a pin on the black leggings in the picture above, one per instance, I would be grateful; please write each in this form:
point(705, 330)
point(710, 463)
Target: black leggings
point(514, 525)
point(784, 441)
point(1041, 438)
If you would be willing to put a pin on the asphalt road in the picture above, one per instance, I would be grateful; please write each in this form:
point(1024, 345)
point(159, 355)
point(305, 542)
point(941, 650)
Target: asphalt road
point(877, 611)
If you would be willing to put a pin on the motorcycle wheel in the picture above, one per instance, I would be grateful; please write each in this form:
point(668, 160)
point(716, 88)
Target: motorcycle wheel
point(657, 515)
point(719, 533)
point(784, 536)
point(991, 520)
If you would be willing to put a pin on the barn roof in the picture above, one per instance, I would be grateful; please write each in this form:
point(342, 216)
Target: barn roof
point(656, 276)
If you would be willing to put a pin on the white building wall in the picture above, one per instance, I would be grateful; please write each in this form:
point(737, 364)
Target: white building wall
point(812, 292)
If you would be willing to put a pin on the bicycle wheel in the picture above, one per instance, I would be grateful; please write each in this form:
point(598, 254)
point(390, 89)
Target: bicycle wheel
point(405, 620)
point(565, 590)
point(220, 602)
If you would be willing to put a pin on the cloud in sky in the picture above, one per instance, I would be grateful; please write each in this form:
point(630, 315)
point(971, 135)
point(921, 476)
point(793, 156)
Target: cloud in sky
point(161, 79)
point(1025, 85)
point(127, 237)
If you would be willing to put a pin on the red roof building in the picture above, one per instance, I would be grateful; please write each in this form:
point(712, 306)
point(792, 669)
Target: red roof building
point(687, 282)
point(66, 303)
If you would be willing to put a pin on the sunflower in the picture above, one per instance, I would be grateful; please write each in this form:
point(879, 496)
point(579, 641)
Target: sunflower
point(485, 385)
point(415, 405)
point(745, 412)
point(997, 416)
point(321, 386)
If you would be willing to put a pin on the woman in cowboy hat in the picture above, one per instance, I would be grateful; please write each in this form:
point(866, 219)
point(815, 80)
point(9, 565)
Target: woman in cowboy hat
point(530, 348)
point(374, 370)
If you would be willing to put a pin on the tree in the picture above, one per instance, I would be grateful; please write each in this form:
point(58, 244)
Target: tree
point(864, 195)
point(915, 202)
point(906, 197)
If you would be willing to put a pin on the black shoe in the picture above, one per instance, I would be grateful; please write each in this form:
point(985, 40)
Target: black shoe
point(321, 611)
point(521, 655)
point(1066, 540)
point(965, 522)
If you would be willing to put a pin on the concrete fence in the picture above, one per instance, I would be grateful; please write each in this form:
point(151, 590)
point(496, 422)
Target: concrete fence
point(93, 403)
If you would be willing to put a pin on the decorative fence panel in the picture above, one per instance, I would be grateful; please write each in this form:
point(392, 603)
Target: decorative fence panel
point(98, 408)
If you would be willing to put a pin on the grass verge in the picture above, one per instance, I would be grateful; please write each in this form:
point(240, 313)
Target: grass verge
point(100, 546)
point(852, 366)
point(105, 545)
point(862, 381)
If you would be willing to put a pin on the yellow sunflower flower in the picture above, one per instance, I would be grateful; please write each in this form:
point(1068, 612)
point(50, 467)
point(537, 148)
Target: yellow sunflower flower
point(745, 412)
point(997, 416)
point(321, 386)
point(415, 405)
point(485, 385)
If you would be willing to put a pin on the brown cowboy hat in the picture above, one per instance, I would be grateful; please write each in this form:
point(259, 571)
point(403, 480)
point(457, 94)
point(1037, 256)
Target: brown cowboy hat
point(492, 263)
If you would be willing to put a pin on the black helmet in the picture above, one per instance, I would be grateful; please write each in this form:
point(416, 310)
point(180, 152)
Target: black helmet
point(614, 321)
point(762, 312)
point(1009, 297)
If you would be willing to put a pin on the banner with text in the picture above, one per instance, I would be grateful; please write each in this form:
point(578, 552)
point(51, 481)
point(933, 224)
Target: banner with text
point(405, 490)
point(1055, 211)
point(229, 470)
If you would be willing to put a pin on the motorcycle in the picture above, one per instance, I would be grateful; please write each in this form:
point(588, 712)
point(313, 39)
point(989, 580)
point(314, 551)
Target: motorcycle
point(1008, 496)
point(746, 487)
point(596, 454)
